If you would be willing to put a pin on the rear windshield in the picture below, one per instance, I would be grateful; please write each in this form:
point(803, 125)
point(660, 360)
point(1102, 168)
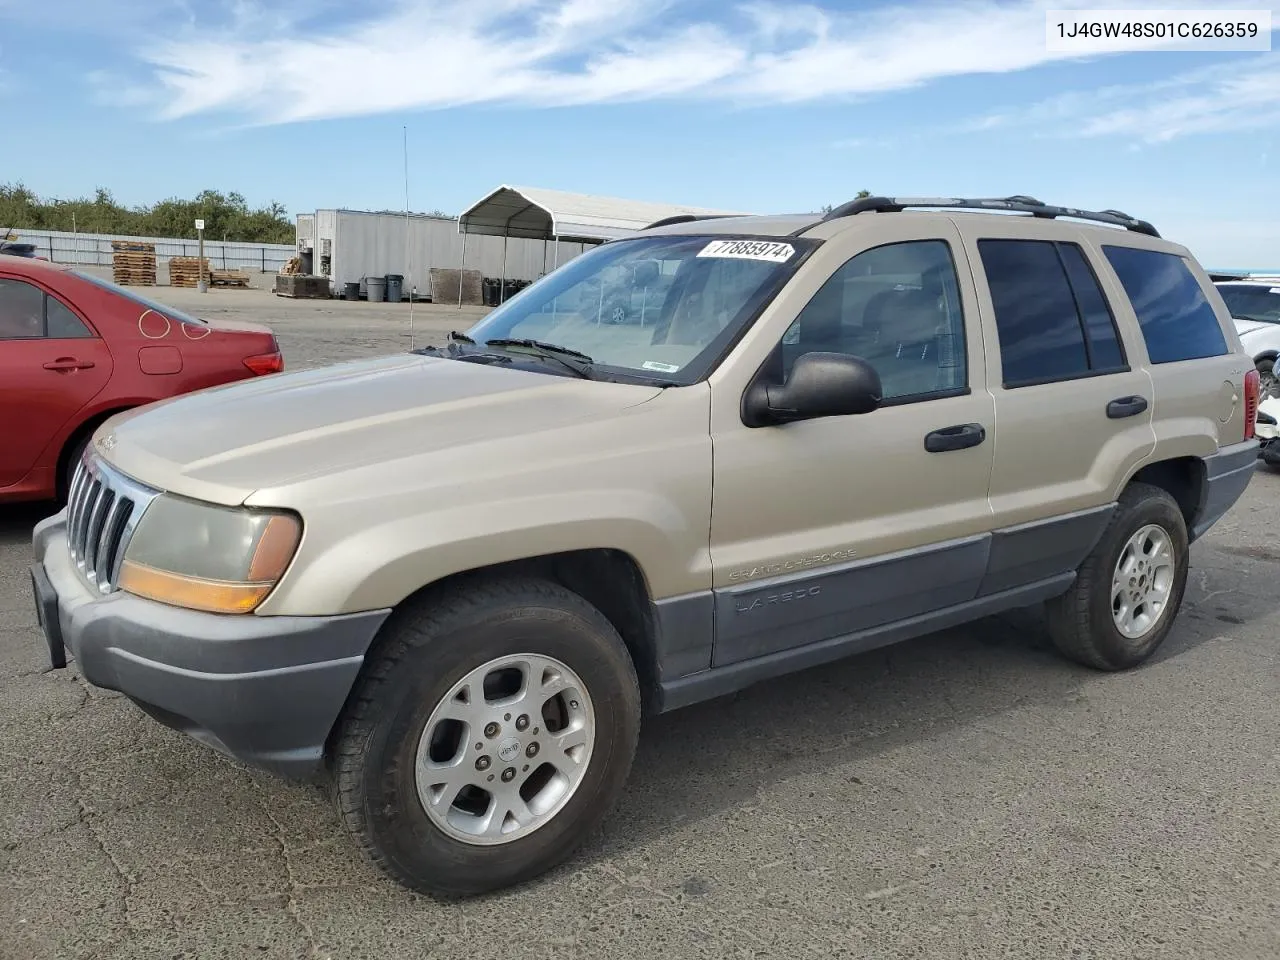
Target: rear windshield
point(1253, 303)
point(173, 313)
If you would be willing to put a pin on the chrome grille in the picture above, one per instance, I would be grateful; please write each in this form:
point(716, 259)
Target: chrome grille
point(103, 508)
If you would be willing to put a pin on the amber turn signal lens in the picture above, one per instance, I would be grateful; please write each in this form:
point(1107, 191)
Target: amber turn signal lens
point(211, 596)
point(275, 549)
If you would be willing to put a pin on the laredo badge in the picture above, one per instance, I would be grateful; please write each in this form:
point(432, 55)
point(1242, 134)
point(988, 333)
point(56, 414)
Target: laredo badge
point(768, 250)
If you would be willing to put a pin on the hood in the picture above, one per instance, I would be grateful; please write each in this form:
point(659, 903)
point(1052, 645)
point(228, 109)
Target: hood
point(1253, 326)
point(224, 443)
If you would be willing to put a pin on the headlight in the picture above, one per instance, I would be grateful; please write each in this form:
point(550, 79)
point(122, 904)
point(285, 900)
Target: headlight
point(205, 557)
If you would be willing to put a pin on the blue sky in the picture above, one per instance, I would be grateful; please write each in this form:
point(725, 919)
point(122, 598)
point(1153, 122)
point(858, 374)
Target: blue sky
point(763, 106)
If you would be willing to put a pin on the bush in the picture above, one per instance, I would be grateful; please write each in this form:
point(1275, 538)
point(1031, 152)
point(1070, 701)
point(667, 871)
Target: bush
point(225, 215)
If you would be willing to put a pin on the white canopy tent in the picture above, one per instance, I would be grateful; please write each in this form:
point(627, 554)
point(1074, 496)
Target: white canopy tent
point(537, 214)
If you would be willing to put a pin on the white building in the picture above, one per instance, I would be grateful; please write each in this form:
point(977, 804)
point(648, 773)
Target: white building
point(519, 233)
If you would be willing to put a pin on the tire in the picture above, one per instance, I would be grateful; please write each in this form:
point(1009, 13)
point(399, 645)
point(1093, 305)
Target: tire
point(1266, 377)
point(69, 467)
point(424, 653)
point(1082, 621)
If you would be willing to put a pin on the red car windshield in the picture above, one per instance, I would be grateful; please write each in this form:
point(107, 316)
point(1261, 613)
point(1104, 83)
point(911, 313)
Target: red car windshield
point(172, 313)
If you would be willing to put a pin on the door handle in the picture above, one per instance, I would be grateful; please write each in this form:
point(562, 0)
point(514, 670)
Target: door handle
point(1126, 407)
point(958, 437)
point(69, 363)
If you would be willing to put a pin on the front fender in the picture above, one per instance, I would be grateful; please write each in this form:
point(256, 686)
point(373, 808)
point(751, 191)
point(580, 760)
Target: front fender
point(378, 567)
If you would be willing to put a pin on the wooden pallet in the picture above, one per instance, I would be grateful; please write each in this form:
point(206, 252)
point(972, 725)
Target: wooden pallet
point(446, 280)
point(228, 278)
point(185, 271)
point(133, 264)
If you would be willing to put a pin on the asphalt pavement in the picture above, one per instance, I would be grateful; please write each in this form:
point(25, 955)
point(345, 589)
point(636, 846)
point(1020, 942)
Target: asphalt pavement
point(968, 794)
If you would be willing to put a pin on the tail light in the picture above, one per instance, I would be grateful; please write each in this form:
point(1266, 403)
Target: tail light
point(265, 363)
point(1250, 403)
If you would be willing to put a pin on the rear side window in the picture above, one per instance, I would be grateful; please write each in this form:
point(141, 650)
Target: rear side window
point(1052, 318)
point(1175, 316)
point(21, 311)
point(1105, 352)
point(28, 313)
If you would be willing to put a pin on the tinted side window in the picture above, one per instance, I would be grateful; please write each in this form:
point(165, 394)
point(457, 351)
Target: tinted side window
point(21, 310)
point(1040, 334)
point(1105, 352)
point(897, 307)
point(1175, 316)
point(61, 323)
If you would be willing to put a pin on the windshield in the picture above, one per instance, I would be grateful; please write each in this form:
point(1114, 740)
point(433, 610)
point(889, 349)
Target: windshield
point(1253, 303)
point(163, 308)
point(657, 308)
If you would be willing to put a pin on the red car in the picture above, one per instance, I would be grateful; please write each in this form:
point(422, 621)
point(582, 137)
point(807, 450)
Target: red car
point(75, 349)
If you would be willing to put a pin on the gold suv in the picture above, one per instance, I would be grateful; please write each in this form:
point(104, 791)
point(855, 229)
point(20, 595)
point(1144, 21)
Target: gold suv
point(451, 581)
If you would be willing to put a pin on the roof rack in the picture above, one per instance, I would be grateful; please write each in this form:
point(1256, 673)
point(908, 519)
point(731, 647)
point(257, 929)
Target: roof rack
point(1017, 204)
point(685, 218)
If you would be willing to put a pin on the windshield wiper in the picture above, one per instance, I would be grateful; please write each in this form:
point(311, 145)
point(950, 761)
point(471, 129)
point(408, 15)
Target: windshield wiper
point(460, 337)
point(1253, 319)
point(574, 360)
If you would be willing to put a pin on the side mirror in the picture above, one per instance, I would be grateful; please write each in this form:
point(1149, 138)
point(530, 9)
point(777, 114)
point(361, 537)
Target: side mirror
point(820, 385)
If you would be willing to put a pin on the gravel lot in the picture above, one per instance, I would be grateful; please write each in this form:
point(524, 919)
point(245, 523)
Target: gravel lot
point(965, 795)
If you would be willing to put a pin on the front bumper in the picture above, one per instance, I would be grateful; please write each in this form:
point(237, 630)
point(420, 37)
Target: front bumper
point(266, 690)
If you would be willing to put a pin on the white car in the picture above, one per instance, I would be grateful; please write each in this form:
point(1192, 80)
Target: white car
point(1254, 303)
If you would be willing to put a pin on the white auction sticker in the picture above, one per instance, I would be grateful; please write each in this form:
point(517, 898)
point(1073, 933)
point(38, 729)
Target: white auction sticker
point(769, 250)
point(660, 367)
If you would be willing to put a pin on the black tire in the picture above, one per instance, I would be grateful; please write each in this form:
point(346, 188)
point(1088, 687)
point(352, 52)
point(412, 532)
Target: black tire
point(423, 651)
point(69, 465)
point(1266, 376)
point(1080, 621)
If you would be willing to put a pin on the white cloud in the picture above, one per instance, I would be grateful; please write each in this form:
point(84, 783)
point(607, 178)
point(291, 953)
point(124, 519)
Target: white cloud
point(1239, 94)
point(280, 63)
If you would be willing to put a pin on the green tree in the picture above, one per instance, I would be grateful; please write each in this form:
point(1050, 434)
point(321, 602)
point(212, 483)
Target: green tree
point(225, 215)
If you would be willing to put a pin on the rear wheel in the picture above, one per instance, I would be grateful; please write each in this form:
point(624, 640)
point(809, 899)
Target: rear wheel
point(1266, 379)
point(490, 733)
point(1128, 590)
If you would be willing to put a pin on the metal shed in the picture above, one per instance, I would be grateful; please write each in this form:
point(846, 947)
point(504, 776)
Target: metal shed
point(532, 213)
point(536, 214)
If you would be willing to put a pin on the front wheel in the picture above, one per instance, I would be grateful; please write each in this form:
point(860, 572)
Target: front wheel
point(1128, 590)
point(489, 734)
point(74, 455)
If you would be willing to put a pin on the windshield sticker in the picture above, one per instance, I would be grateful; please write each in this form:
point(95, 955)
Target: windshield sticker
point(660, 367)
point(770, 251)
point(1275, 289)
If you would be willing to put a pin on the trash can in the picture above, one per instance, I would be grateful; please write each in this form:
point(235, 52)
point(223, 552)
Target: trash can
point(377, 288)
point(351, 290)
point(395, 287)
